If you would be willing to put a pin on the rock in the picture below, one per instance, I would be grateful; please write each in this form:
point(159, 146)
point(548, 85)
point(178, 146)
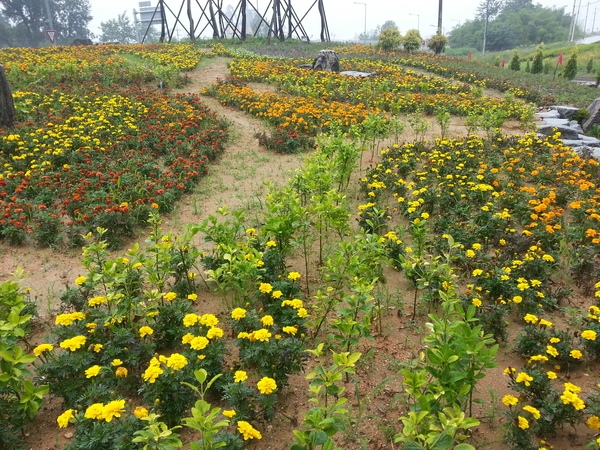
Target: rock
point(594, 110)
point(553, 114)
point(327, 61)
point(354, 73)
point(7, 104)
point(589, 140)
point(565, 131)
point(556, 122)
point(564, 111)
point(575, 125)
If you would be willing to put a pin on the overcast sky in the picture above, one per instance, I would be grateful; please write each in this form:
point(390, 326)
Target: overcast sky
point(346, 18)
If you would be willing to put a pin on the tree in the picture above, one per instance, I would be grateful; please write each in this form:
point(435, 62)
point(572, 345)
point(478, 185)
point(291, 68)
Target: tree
point(120, 30)
point(389, 39)
point(389, 24)
point(437, 43)
point(412, 41)
point(29, 19)
point(515, 62)
point(518, 22)
point(538, 61)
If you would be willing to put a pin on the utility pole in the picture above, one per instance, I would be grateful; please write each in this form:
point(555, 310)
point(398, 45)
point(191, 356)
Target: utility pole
point(594, 21)
point(439, 28)
point(587, 10)
point(485, 26)
point(573, 22)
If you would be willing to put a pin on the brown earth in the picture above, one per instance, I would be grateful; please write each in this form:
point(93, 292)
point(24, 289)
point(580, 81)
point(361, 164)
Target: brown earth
point(239, 180)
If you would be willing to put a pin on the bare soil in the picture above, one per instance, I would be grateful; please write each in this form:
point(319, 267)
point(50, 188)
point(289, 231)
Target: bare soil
point(240, 179)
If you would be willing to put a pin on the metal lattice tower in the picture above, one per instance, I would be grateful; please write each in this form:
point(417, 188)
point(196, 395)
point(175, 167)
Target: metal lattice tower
point(279, 19)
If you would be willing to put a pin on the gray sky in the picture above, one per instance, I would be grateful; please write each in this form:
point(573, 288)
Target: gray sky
point(346, 18)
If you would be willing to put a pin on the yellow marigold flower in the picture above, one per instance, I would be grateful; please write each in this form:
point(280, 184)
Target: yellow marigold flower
point(152, 314)
point(229, 413)
point(262, 335)
point(590, 335)
point(74, 343)
point(152, 373)
point(251, 230)
point(509, 370)
point(192, 297)
point(572, 388)
point(145, 331)
point(267, 321)
point(294, 275)
point(121, 372)
point(277, 294)
point(97, 347)
point(113, 409)
point(136, 265)
point(116, 362)
point(530, 318)
point(239, 376)
point(190, 320)
point(266, 385)
point(271, 244)
point(477, 272)
point(243, 335)
point(534, 412)
point(290, 330)
point(470, 253)
point(523, 423)
point(551, 375)
point(92, 371)
point(551, 350)
point(42, 348)
point(265, 288)
point(510, 400)
point(548, 258)
point(199, 343)
point(170, 296)
point(80, 280)
point(545, 323)
point(65, 418)
point(140, 412)
point(248, 431)
point(594, 423)
point(214, 333)
point(210, 320)
point(575, 354)
point(476, 302)
point(238, 313)
point(538, 358)
point(187, 338)
point(523, 377)
point(98, 300)
point(517, 299)
point(302, 313)
point(94, 411)
point(554, 340)
point(177, 361)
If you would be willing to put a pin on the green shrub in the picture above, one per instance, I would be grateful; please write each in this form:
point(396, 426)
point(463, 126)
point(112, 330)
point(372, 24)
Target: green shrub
point(437, 44)
point(538, 61)
point(412, 41)
point(515, 62)
point(571, 67)
point(389, 39)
